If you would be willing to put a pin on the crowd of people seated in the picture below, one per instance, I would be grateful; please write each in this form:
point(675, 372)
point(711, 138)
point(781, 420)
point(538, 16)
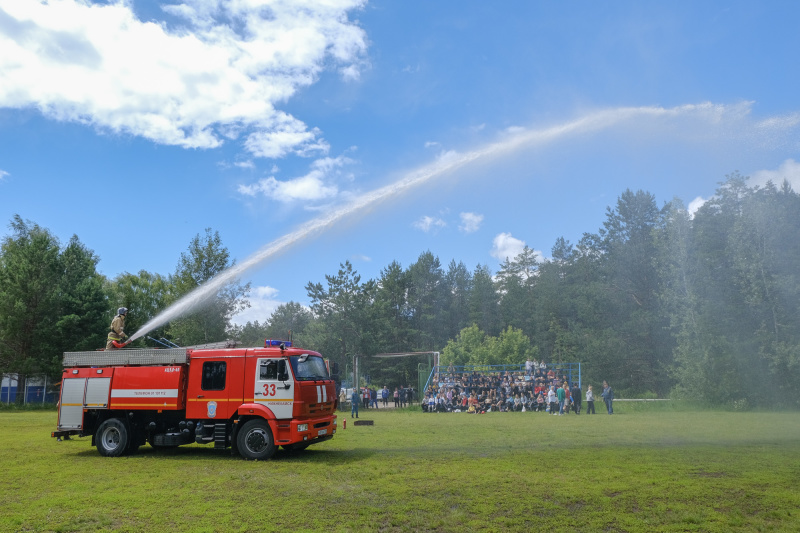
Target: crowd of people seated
point(536, 388)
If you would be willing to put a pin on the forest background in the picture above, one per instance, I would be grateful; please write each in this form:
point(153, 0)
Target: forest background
point(658, 301)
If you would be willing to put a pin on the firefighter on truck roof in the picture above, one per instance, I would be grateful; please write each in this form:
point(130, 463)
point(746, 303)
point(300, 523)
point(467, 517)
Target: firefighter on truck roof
point(117, 326)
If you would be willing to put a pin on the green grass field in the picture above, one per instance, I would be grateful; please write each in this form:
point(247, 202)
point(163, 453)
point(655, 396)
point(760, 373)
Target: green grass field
point(652, 469)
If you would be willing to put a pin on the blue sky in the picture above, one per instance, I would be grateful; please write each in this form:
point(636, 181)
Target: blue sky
point(484, 126)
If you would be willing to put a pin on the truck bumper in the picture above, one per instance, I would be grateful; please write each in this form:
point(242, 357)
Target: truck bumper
point(311, 430)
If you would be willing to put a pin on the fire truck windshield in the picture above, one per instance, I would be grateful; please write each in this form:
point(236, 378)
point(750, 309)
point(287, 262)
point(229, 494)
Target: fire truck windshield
point(308, 367)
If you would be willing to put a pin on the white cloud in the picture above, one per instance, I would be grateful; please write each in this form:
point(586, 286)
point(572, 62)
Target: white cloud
point(427, 224)
point(350, 72)
point(470, 222)
point(504, 246)
point(263, 302)
point(249, 165)
point(3, 175)
point(539, 255)
point(290, 135)
point(789, 171)
point(217, 76)
point(304, 188)
point(448, 156)
point(313, 187)
point(696, 204)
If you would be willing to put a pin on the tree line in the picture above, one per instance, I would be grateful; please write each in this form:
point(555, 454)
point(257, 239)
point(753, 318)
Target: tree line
point(657, 301)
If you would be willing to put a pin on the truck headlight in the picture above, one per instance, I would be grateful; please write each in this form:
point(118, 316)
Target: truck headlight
point(302, 427)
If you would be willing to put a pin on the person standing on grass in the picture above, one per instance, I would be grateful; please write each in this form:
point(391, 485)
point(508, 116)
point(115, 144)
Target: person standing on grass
point(608, 397)
point(576, 397)
point(396, 397)
point(567, 398)
point(385, 396)
point(561, 396)
point(590, 401)
point(373, 397)
point(552, 400)
point(354, 400)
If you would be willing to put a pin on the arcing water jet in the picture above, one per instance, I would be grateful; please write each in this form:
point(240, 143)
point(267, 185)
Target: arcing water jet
point(589, 123)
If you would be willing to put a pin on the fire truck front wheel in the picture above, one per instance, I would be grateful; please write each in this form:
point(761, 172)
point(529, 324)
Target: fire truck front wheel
point(112, 438)
point(255, 440)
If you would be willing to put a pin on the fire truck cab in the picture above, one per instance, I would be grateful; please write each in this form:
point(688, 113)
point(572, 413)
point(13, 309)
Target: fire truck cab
point(249, 399)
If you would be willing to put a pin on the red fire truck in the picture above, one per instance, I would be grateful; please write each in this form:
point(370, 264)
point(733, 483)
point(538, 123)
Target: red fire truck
point(249, 399)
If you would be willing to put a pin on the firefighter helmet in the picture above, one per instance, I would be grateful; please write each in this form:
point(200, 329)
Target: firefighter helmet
point(122, 311)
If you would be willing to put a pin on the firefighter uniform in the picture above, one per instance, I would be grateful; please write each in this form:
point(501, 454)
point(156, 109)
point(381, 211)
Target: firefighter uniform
point(117, 332)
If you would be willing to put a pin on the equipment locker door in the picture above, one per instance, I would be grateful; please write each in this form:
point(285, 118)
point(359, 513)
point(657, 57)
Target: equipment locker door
point(70, 410)
point(274, 386)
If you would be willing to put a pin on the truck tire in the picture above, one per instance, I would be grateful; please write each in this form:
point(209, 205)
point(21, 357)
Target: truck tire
point(255, 441)
point(112, 438)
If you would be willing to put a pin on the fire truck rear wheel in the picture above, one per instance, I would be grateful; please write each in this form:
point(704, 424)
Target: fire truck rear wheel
point(112, 438)
point(255, 440)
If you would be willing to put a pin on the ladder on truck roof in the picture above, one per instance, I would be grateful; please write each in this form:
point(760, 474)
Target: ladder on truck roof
point(133, 357)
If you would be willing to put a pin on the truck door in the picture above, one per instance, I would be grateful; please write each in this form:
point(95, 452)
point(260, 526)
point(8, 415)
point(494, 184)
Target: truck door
point(274, 386)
